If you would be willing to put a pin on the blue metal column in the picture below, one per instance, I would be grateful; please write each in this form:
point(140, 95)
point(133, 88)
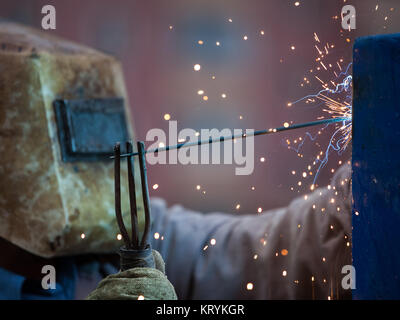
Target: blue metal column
point(376, 167)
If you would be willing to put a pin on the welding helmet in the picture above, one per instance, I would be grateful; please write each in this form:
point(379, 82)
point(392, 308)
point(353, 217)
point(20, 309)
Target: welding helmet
point(62, 108)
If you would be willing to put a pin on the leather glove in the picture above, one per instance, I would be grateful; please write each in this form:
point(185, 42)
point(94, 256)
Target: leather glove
point(135, 283)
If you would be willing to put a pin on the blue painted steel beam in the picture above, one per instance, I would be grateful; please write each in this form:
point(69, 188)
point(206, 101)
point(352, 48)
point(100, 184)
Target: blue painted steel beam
point(376, 167)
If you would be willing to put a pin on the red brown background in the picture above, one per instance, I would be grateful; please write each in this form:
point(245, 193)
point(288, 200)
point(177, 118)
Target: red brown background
point(259, 75)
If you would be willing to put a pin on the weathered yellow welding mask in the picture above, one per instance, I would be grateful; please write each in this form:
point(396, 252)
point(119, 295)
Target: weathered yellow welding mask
point(62, 107)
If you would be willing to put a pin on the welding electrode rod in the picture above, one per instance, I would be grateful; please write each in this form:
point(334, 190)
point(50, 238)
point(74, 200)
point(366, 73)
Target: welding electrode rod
point(132, 196)
point(145, 192)
point(117, 179)
point(240, 136)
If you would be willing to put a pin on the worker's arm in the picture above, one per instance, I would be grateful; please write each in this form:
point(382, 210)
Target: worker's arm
point(293, 252)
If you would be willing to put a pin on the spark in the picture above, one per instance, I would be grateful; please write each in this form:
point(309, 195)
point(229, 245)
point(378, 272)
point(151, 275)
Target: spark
point(335, 109)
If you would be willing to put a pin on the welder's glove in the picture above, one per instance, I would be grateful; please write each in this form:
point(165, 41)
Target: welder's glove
point(135, 283)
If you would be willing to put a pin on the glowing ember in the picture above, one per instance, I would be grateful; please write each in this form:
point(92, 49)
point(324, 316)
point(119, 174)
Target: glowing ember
point(197, 67)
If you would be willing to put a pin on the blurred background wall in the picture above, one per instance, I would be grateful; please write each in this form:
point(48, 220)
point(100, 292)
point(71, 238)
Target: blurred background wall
point(158, 44)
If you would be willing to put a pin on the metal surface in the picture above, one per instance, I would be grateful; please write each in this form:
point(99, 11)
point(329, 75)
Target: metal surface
point(117, 184)
point(376, 167)
point(132, 196)
point(88, 129)
point(145, 192)
point(135, 253)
